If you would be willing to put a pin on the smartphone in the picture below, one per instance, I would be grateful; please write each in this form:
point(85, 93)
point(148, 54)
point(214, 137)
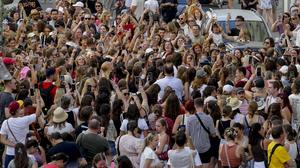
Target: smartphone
point(150, 76)
point(73, 87)
point(137, 80)
point(89, 88)
point(258, 71)
point(31, 92)
point(222, 55)
point(294, 60)
point(62, 78)
point(82, 18)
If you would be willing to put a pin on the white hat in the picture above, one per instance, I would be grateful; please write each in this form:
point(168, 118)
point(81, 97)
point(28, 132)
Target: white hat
point(227, 88)
point(234, 103)
point(30, 35)
point(61, 9)
point(209, 98)
point(148, 50)
point(79, 4)
point(284, 69)
point(59, 115)
point(48, 10)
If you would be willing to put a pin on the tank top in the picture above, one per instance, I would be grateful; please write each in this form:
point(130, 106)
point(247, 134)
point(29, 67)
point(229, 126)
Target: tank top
point(292, 150)
point(222, 126)
point(258, 152)
point(232, 158)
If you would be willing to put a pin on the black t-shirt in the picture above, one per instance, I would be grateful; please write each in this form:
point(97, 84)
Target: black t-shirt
point(68, 148)
point(29, 5)
point(5, 99)
point(82, 127)
point(234, 32)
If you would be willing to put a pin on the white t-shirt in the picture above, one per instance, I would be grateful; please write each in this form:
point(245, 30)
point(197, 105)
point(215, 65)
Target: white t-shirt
point(152, 5)
point(148, 153)
point(68, 128)
point(139, 8)
point(217, 38)
point(19, 127)
point(183, 158)
point(142, 124)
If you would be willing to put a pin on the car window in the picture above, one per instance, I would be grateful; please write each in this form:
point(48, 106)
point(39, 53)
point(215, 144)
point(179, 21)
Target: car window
point(257, 29)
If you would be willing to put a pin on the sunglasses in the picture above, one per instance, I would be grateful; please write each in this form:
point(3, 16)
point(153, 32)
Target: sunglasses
point(87, 18)
point(98, 5)
point(126, 94)
point(180, 18)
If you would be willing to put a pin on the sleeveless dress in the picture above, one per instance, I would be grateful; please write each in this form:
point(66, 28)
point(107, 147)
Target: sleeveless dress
point(265, 4)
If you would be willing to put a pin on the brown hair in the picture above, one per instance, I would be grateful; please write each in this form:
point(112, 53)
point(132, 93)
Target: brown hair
point(252, 108)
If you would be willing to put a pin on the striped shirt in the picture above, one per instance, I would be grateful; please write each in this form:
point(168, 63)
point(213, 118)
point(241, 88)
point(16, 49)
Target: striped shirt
point(199, 136)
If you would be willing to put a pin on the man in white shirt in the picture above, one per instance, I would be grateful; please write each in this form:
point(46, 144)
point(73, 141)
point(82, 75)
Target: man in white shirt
point(152, 5)
point(137, 8)
point(273, 91)
point(170, 80)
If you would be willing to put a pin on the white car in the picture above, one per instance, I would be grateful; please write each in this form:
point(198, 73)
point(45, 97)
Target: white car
point(254, 22)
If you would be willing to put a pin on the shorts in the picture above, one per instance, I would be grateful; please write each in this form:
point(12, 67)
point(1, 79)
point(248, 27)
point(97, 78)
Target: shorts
point(205, 157)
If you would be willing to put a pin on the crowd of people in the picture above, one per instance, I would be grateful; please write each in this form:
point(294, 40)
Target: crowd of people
point(134, 83)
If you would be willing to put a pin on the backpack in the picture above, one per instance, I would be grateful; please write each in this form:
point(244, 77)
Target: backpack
point(45, 94)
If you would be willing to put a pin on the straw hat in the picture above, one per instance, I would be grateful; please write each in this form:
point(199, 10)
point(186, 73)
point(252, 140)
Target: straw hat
point(59, 115)
point(234, 103)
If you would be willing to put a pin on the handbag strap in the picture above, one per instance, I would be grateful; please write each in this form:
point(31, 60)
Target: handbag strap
point(118, 146)
point(202, 124)
point(11, 132)
point(226, 154)
point(272, 152)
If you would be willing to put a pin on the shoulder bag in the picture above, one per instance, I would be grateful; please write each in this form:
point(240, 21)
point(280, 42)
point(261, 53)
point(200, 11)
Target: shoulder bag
point(213, 140)
point(11, 132)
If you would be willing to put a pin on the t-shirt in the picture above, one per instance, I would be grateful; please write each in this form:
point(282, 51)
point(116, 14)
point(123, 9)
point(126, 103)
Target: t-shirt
point(234, 32)
point(12, 163)
point(183, 158)
point(5, 99)
point(152, 5)
point(148, 153)
point(139, 8)
point(19, 127)
point(91, 144)
point(68, 128)
point(142, 124)
point(279, 157)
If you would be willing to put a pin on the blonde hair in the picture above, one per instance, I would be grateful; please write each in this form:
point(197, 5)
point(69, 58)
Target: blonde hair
point(197, 82)
point(60, 92)
point(149, 139)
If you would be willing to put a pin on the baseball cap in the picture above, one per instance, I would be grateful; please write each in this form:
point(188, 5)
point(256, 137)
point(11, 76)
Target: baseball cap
point(79, 4)
point(8, 61)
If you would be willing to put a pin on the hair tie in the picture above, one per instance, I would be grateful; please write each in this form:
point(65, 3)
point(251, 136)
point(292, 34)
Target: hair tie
point(20, 151)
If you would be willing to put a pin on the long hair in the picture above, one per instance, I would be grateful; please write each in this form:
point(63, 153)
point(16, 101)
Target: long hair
point(275, 110)
point(21, 159)
point(172, 108)
point(254, 136)
point(286, 101)
point(124, 162)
